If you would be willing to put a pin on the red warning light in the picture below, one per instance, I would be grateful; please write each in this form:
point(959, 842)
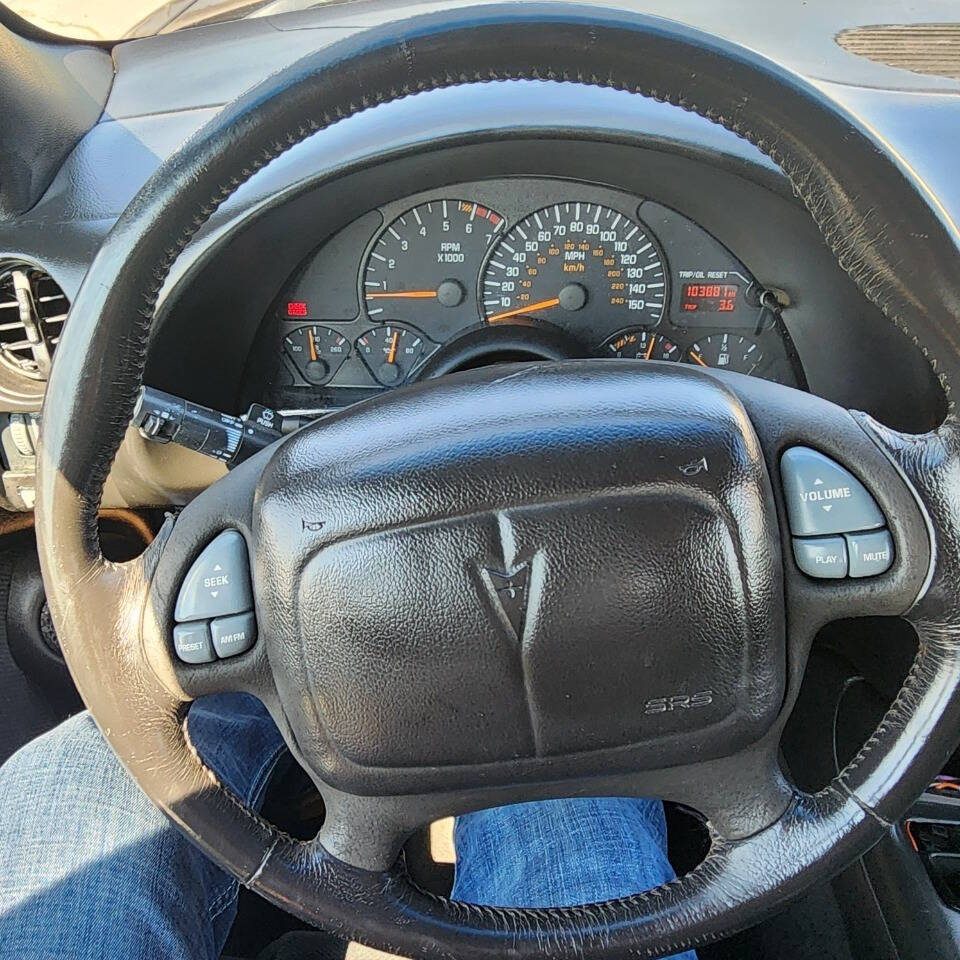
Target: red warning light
point(296, 308)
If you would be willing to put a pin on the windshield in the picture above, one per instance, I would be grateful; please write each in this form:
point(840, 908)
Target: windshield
point(126, 19)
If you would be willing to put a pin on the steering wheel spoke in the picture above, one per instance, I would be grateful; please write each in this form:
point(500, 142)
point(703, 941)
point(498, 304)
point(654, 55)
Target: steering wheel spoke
point(737, 797)
point(200, 626)
point(843, 489)
point(920, 725)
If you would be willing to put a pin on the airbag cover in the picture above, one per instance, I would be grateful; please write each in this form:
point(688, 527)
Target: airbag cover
point(559, 566)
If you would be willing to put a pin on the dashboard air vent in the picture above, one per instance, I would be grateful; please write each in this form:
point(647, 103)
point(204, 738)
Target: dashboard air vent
point(32, 311)
point(930, 48)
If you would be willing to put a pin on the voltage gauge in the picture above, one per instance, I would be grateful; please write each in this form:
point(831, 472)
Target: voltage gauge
point(640, 345)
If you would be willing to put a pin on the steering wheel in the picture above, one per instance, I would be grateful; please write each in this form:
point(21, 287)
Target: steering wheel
point(567, 484)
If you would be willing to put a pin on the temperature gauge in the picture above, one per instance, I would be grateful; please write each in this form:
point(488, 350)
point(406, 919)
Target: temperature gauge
point(391, 352)
point(317, 352)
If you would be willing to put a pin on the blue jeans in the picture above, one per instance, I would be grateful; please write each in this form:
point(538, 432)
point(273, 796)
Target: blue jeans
point(90, 869)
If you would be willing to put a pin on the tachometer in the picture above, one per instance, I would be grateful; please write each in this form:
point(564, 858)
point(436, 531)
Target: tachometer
point(576, 259)
point(425, 263)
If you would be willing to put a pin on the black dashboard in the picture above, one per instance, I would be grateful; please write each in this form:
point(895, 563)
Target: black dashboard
point(330, 291)
point(296, 311)
point(342, 287)
point(512, 269)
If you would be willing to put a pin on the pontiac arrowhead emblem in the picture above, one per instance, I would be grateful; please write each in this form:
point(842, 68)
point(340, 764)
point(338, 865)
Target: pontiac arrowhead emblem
point(509, 593)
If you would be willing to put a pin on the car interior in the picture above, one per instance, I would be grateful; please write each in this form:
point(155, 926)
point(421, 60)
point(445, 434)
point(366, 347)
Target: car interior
point(522, 400)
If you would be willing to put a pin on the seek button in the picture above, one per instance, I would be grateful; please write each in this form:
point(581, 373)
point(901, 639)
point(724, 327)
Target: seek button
point(218, 583)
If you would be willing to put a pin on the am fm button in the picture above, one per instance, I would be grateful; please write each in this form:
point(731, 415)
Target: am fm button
point(233, 635)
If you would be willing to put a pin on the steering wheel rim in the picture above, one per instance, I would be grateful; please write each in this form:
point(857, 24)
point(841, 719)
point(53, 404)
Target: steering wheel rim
point(864, 204)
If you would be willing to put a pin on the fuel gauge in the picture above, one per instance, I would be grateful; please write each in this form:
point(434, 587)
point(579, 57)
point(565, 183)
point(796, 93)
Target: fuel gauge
point(317, 352)
point(391, 352)
point(728, 351)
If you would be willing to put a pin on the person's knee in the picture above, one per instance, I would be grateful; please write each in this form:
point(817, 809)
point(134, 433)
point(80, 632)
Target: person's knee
point(79, 832)
point(64, 770)
point(76, 733)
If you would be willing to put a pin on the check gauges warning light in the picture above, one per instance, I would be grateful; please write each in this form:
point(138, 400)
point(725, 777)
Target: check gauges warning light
point(709, 297)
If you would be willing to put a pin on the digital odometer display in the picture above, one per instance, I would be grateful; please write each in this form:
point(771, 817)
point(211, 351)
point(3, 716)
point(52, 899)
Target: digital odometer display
point(709, 297)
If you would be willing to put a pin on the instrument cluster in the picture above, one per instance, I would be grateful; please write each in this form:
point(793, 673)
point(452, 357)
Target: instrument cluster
point(459, 276)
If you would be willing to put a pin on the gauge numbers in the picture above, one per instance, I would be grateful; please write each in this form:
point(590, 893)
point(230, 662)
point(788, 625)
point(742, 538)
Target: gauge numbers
point(726, 351)
point(425, 263)
point(317, 352)
point(391, 352)
point(576, 263)
point(640, 344)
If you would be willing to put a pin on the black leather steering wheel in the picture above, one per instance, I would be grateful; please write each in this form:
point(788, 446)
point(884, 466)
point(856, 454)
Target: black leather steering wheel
point(567, 471)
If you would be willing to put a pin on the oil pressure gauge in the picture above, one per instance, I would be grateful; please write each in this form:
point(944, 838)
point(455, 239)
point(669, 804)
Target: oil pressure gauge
point(392, 351)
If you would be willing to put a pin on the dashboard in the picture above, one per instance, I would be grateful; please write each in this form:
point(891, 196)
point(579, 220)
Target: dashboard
point(282, 300)
point(460, 229)
point(513, 269)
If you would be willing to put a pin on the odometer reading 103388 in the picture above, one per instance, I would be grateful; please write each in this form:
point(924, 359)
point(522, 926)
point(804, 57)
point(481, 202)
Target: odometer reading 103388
point(576, 258)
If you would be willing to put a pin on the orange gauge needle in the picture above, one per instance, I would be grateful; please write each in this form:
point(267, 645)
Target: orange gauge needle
point(649, 352)
point(402, 295)
point(313, 345)
point(392, 355)
point(698, 359)
point(532, 308)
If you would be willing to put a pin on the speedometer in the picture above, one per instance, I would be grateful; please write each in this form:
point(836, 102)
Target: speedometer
point(424, 265)
point(576, 258)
